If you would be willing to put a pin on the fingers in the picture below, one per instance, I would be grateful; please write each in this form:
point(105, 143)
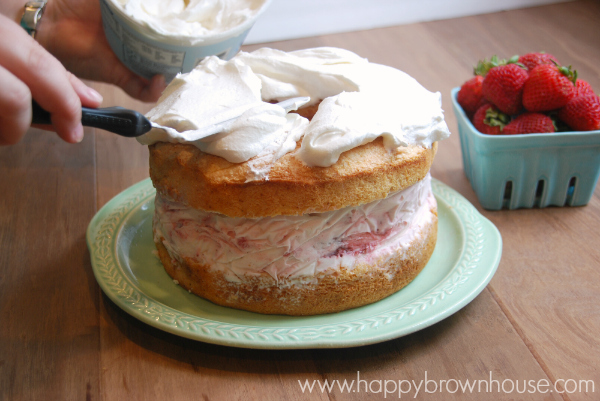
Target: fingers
point(45, 77)
point(113, 71)
point(15, 108)
point(48, 82)
point(106, 67)
point(89, 97)
point(80, 44)
point(154, 89)
point(136, 86)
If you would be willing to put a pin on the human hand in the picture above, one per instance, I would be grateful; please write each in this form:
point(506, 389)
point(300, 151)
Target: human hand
point(72, 31)
point(28, 71)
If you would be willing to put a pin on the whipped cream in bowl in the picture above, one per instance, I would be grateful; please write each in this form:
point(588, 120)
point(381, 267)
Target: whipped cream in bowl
point(359, 102)
point(172, 36)
point(192, 20)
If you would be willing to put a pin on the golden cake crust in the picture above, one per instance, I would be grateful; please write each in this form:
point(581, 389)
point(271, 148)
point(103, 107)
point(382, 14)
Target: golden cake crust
point(327, 292)
point(364, 174)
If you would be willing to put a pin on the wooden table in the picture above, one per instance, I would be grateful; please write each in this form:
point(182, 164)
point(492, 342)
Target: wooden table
point(538, 319)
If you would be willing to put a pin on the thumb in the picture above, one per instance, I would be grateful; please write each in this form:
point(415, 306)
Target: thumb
point(147, 90)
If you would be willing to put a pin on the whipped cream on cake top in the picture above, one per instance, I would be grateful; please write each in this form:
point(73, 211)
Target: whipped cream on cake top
point(360, 101)
point(190, 18)
point(296, 246)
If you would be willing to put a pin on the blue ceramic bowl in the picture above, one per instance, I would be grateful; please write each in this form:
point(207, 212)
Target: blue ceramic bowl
point(532, 170)
point(147, 53)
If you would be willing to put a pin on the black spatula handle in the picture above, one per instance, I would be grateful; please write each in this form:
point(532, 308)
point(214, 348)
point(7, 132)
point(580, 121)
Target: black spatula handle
point(119, 120)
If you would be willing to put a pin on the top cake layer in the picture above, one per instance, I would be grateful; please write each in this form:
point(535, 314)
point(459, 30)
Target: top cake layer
point(206, 182)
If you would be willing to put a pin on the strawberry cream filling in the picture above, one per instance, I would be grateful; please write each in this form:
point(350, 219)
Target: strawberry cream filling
point(296, 246)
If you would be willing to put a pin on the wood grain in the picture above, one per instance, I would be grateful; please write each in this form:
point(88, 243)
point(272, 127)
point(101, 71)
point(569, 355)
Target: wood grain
point(61, 338)
point(48, 296)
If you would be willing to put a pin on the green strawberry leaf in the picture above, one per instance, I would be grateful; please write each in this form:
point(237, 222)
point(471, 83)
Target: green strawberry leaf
point(495, 118)
point(483, 66)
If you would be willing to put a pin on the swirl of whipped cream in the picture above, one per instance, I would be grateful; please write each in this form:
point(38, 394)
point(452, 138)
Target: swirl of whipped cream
point(190, 18)
point(195, 104)
point(256, 129)
point(317, 73)
point(360, 101)
point(389, 103)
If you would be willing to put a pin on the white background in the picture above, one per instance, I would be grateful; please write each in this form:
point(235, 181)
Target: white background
point(290, 19)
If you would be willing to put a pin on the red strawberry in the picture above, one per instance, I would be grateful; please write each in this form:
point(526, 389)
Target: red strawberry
point(529, 123)
point(488, 120)
point(503, 87)
point(582, 113)
point(469, 96)
point(549, 87)
point(532, 60)
point(583, 88)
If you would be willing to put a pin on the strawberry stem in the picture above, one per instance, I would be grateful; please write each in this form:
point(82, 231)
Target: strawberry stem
point(568, 72)
point(483, 66)
point(495, 118)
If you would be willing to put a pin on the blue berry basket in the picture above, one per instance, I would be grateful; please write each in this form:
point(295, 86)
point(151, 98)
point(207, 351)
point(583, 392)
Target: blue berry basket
point(533, 170)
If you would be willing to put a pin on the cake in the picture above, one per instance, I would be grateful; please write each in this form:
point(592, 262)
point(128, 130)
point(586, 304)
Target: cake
point(309, 212)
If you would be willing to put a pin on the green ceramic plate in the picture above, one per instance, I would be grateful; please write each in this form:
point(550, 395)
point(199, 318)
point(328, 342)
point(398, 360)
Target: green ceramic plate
point(129, 272)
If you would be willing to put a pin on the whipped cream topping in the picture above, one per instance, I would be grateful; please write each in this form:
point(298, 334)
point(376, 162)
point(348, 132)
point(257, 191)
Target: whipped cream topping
point(360, 102)
point(399, 110)
point(295, 246)
point(190, 18)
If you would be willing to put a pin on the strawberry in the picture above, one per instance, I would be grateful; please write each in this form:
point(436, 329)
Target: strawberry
point(503, 87)
point(532, 60)
point(489, 120)
point(470, 96)
point(582, 113)
point(583, 88)
point(529, 123)
point(549, 87)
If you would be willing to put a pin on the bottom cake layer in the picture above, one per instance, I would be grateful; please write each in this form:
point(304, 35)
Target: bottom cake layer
point(370, 279)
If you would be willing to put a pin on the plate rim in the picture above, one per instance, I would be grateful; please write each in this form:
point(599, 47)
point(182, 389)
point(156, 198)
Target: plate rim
point(102, 238)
